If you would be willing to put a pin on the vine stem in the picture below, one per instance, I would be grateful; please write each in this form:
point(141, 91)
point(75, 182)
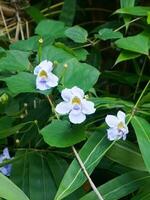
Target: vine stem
point(135, 106)
point(86, 174)
point(53, 107)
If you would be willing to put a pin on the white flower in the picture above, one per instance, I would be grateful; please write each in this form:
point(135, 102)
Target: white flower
point(75, 105)
point(7, 168)
point(45, 78)
point(118, 128)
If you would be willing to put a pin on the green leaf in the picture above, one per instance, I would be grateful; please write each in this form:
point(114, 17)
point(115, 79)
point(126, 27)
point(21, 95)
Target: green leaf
point(127, 3)
point(77, 34)
point(77, 74)
point(35, 13)
point(111, 102)
point(51, 28)
point(56, 54)
point(30, 44)
point(127, 155)
point(15, 61)
point(120, 186)
point(138, 43)
point(60, 134)
point(148, 17)
point(137, 10)
point(32, 174)
point(126, 55)
point(91, 153)
point(80, 54)
point(68, 12)
point(142, 130)
point(21, 83)
point(107, 33)
point(9, 190)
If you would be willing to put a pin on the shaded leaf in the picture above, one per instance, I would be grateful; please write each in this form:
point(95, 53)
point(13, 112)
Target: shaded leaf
point(137, 10)
point(68, 12)
point(60, 134)
point(120, 186)
point(77, 34)
point(126, 55)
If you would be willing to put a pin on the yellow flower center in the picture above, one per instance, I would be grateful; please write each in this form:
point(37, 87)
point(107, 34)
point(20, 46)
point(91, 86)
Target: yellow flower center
point(43, 73)
point(76, 100)
point(120, 125)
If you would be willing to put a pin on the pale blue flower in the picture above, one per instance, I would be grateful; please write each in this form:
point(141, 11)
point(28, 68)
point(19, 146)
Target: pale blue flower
point(118, 128)
point(7, 168)
point(45, 78)
point(75, 105)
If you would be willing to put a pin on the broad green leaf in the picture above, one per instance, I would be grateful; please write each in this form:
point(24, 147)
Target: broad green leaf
point(148, 18)
point(120, 186)
point(60, 134)
point(77, 34)
point(56, 54)
point(68, 12)
point(51, 28)
point(107, 33)
point(142, 195)
point(12, 130)
point(125, 154)
point(91, 153)
point(21, 83)
point(9, 190)
point(126, 55)
point(138, 43)
point(123, 77)
point(111, 102)
point(137, 10)
point(32, 174)
point(80, 54)
point(30, 44)
point(35, 13)
point(127, 3)
point(142, 130)
point(79, 74)
point(145, 99)
point(15, 61)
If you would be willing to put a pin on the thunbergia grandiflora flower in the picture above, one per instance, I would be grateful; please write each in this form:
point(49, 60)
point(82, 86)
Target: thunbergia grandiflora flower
point(7, 168)
point(75, 105)
point(45, 78)
point(118, 128)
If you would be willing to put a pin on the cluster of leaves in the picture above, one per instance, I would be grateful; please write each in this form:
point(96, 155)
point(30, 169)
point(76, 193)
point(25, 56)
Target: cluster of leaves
point(43, 164)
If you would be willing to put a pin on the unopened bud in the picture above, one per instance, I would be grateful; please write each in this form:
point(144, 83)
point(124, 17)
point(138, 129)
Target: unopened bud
point(41, 41)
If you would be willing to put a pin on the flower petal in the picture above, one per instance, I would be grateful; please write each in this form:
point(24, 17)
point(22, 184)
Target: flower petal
point(63, 108)
point(121, 116)
point(37, 69)
point(6, 154)
point(52, 80)
point(4, 171)
point(113, 134)
point(77, 118)
point(76, 91)
point(41, 84)
point(88, 107)
point(111, 120)
point(46, 65)
point(66, 94)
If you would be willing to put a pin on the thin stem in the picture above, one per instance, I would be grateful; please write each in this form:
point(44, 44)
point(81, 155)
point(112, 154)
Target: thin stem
point(86, 174)
point(53, 107)
point(139, 79)
point(134, 20)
